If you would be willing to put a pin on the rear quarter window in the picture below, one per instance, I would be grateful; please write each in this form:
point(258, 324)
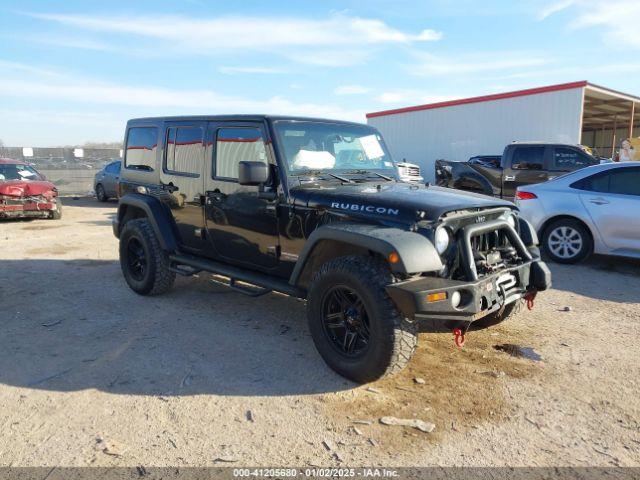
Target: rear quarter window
point(141, 148)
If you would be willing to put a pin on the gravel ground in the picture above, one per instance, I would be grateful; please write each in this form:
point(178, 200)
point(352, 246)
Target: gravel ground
point(92, 374)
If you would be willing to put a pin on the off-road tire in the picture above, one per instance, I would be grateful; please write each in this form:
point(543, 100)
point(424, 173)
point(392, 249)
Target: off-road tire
point(494, 318)
point(393, 338)
point(585, 236)
point(101, 194)
point(157, 278)
point(57, 213)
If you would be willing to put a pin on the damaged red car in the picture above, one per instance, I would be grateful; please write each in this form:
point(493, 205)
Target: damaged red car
point(24, 192)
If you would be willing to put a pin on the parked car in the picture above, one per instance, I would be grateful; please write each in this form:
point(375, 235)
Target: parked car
point(520, 164)
point(280, 207)
point(105, 182)
point(24, 192)
point(596, 209)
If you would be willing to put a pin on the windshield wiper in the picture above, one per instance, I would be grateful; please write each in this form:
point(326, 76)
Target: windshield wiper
point(365, 172)
point(322, 172)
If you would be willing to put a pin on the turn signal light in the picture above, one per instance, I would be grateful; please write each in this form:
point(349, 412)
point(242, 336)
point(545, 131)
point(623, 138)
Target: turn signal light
point(525, 195)
point(436, 297)
point(394, 257)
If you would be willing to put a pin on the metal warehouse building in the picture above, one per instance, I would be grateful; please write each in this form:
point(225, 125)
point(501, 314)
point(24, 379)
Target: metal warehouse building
point(576, 113)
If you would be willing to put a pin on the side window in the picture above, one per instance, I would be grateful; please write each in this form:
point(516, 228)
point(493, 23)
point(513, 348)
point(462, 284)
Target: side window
point(595, 183)
point(528, 158)
point(184, 151)
point(118, 166)
point(142, 143)
point(625, 181)
point(235, 145)
point(568, 159)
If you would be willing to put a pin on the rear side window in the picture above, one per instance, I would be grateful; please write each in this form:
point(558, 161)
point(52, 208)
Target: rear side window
point(568, 159)
point(113, 167)
point(142, 143)
point(528, 158)
point(622, 181)
point(235, 145)
point(184, 150)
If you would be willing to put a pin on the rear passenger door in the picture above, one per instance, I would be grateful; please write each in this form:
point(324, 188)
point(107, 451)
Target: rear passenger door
point(241, 220)
point(182, 179)
point(526, 166)
point(568, 159)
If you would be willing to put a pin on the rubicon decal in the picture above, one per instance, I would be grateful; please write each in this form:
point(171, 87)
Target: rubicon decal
point(354, 207)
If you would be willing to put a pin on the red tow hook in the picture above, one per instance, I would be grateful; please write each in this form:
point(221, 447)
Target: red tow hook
point(458, 337)
point(530, 297)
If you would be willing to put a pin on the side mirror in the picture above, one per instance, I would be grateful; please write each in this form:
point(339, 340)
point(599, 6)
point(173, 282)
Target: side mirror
point(253, 173)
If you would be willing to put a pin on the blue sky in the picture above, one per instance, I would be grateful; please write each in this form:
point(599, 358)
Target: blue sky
point(75, 71)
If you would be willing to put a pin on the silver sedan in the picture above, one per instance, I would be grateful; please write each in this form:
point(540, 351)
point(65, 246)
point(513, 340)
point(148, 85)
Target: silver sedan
point(592, 210)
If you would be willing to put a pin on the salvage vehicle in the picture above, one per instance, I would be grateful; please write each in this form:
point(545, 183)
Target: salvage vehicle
point(593, 210)
point(105, 182)
point(520, 164)
point(276, 204)
point(24, 192)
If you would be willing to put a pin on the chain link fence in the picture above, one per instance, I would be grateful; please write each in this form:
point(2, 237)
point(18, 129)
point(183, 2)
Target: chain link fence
point(71, 169)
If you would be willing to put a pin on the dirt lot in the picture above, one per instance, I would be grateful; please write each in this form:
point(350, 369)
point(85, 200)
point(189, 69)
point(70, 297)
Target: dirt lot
point(92, 374)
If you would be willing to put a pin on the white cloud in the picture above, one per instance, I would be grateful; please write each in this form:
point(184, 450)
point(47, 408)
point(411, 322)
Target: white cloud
point(75, 90)
point(553, 8)
point(351, 90)
point(429, 64)
point(618, 18)
point(247, 32)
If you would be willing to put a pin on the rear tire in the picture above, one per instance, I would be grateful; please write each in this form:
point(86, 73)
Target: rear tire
point(101, 195)
point(354, 324)
point(145, 266)
point(567, 241)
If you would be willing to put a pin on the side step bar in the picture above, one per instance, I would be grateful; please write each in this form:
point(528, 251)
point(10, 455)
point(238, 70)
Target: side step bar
point(237, 274)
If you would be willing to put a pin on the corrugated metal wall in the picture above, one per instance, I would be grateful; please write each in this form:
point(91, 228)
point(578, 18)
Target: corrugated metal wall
point(484, 128)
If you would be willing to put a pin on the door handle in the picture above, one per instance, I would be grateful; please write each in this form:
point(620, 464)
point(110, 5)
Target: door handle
point(509, 178)
point(599, 201)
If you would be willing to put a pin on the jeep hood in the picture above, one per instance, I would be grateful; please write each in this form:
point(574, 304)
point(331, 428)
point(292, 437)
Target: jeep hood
point(27, 188)
point(390, 201)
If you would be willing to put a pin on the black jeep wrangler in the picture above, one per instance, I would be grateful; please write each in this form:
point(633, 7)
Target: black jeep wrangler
point(315, 209)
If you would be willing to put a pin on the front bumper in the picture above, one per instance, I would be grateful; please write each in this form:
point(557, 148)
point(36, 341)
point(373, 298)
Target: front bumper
point(26, 207)
point(478, 298)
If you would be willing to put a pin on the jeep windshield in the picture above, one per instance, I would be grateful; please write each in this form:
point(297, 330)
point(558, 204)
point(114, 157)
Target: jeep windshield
point(333, 149)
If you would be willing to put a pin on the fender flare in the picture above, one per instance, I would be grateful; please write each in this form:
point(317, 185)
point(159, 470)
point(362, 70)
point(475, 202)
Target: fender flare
point(157, 214)
point(416, 252)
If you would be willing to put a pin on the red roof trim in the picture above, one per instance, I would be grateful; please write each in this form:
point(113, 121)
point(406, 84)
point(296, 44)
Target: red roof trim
point(484, 98)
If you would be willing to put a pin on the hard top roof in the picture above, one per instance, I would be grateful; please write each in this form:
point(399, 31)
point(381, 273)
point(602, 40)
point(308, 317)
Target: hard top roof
point(239, 117)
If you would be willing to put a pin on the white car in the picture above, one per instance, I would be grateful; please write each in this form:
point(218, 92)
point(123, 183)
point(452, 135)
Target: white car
point(592, 210)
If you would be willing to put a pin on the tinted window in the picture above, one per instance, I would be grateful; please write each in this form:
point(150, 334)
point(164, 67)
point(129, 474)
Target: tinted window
point(624, 181)
point(184, 151)
point(528, 158)
point(567, 159)
point(141, 148)
point(235, 145)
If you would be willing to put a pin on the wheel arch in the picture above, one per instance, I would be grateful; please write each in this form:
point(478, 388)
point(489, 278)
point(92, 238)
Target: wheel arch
point(416, 254)
point(132, 206)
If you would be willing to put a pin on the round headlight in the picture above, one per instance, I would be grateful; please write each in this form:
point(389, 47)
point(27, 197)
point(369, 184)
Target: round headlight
point(442, 239)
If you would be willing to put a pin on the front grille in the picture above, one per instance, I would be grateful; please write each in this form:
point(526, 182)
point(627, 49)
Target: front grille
point(483, 249)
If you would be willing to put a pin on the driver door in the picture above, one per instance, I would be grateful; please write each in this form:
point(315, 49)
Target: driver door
point(241, 220)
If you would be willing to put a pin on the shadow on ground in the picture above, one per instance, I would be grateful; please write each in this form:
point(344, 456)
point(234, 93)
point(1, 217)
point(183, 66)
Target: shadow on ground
point(87, 202)
point(71, 325)
point(616, 279)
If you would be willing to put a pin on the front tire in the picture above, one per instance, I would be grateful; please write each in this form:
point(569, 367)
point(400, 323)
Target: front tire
point(354, 324)
point(494, 318)
point(57, 213)
point(567, 241)
point(101, 194)
point(145, 266)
